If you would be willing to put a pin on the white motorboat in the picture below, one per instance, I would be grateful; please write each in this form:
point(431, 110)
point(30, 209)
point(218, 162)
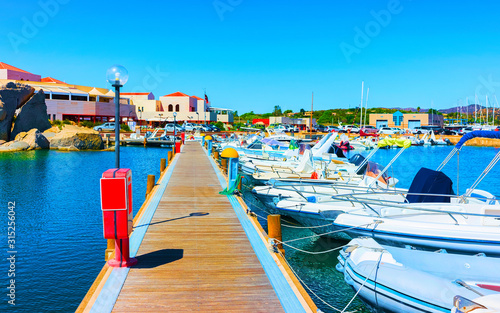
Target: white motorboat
point(428, 214)
point(393, 279)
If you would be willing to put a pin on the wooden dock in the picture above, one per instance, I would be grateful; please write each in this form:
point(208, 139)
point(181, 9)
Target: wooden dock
point(195, 254)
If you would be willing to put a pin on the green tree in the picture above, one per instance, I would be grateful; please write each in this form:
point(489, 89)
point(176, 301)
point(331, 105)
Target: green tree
point(418, 109)
point(277, 111)
point(287, 111)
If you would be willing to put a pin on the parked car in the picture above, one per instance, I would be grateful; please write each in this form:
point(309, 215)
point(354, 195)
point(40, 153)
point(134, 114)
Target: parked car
point(425, 129)
point(351, 128)
point(320, 128)
point(170, 127)
point(214, 128)
point(105, 126)
point(332, 129)
point(189, 126)
point(368, 130)
point(447, 132)
point(205, 128)
point(465, 130)
point(390, 130)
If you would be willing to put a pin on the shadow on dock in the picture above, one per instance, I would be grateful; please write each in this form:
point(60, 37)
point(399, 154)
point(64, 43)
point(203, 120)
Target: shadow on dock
point(174, 219)
point(159, 258)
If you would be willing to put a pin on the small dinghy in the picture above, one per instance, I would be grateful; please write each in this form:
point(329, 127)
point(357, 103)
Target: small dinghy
point(393, 279)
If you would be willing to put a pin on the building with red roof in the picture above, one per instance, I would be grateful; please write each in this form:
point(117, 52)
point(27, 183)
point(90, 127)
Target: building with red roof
point(52, 80)
point(10, 72)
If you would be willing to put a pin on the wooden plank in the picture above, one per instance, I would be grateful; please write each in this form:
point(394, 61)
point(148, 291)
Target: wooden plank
point(195, 255)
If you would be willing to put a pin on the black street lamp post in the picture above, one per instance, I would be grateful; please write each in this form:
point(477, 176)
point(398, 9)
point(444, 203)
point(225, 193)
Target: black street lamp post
point(117, 76)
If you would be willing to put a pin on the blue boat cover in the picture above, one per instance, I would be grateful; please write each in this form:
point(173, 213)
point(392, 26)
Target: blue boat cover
point(430, 186)
point(336, 150)
point(478, 133)
point(357, 159)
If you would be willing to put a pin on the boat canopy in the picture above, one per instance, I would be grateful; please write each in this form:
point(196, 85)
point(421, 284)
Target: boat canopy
point(430, 186)
point(477, 133)
point(403, 143)
point(357, 159)
point(272, 142)
point(333, 149)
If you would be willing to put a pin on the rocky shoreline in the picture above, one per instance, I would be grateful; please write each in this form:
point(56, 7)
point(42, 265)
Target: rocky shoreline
point(31, 129)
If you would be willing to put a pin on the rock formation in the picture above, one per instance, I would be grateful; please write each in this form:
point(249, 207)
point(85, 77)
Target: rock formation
point(33, 115)
point(75, 138)
point(34, 138)
point(12, 97)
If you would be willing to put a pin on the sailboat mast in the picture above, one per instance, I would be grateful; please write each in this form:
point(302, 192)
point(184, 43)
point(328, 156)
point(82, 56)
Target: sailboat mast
point(361, 104)
point(487, 111)
point(366, 107)
point(311, 119)
point(493, 119)
point(432, 112)
point(475, 109)
point(467, 101)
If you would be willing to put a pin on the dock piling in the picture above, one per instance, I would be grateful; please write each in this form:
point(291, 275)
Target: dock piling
point(163, 165)
point(151, 184)
point(274, 230)
point(169, 156)
point(109, 250)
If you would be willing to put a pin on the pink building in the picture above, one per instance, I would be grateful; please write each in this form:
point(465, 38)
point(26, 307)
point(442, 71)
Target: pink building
point(13, 73)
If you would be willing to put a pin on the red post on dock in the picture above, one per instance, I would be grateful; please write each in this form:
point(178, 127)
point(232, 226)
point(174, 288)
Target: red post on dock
point(178, 146)
point(183, 137)
point(116, 206)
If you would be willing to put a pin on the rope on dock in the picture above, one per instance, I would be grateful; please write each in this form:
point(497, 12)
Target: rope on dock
point(308, 288)
point(330, 232)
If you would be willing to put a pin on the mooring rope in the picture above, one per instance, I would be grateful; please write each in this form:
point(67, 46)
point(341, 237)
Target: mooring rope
point(330, 232)
point(308, 288)
point(362, 285)
point(310, 252)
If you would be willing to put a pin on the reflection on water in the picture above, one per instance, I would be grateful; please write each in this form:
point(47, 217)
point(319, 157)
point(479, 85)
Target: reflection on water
point(60, 249)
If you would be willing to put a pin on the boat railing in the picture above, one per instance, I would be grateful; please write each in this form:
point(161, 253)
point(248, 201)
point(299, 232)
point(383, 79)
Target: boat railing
point(413, 206)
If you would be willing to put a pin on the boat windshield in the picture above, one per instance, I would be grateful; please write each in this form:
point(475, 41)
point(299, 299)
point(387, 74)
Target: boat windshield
point(374, 169)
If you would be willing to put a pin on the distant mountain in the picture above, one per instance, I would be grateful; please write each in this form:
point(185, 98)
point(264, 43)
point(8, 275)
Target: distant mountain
point(465, 110)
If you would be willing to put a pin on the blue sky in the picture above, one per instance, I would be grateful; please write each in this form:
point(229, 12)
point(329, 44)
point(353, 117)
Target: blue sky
point(252, 55)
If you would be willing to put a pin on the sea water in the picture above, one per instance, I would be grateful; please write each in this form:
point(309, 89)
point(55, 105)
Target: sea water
point(58, 227)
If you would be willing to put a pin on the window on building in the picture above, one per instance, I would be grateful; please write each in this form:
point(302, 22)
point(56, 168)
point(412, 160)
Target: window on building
point(176, 108)
point(60, 97)
point(47, 96)
point(170, 108)
point(397, 119)
point(78, 98)
point(93, 98)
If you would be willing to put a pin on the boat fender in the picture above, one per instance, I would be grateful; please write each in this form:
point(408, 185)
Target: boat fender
point(314, 175)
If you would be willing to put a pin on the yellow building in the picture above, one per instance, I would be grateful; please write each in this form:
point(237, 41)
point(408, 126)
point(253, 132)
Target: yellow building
point(406, 120)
